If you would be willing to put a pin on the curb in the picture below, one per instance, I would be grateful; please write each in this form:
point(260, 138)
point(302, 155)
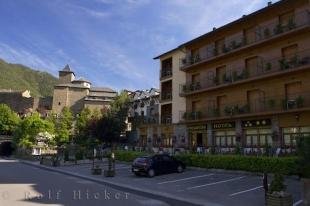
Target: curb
point(138, 191)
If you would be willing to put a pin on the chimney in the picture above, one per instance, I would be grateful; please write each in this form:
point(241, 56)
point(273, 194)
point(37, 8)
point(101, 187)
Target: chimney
point(214, 28)
point(269, 3)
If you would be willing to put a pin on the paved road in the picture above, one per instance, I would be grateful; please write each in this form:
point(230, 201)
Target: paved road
point(217, 188)
point(23, 185)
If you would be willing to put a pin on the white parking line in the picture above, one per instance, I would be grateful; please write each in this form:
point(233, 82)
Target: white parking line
point(297, 203)
point(214, 183)
point(189, 178)
point(244, 191)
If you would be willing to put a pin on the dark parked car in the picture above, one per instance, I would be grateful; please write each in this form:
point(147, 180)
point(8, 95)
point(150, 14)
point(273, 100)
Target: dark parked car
point(156, 164)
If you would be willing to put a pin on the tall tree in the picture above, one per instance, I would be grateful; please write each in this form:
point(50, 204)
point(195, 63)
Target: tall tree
point(8, 120)
point(81, 125)
point(29, 128)
point(111, 125)
point(64, 126)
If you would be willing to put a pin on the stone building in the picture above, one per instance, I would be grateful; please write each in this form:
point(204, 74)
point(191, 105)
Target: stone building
point(79, 93)
point(23, 103)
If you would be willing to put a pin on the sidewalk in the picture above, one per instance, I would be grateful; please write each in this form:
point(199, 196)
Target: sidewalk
point(124, 187)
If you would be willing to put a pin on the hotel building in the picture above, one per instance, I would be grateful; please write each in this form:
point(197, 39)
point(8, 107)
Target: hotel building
point(244, 84)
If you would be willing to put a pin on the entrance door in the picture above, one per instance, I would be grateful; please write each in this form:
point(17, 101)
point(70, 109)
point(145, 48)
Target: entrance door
point(199, 140)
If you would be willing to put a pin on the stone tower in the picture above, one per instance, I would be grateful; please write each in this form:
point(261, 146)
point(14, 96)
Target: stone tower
point(66, 76)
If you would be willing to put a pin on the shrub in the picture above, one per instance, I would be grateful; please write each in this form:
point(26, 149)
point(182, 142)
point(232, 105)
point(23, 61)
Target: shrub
point(284, 165)
point(128, 156)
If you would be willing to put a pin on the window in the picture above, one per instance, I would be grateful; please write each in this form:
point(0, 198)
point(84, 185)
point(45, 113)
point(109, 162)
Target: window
point(286, 18)
point(59, 103)
point(258, 137)
point(166, 158)
point(142, 113)
point(289, 52)
point(291, 134)
point(225, 138)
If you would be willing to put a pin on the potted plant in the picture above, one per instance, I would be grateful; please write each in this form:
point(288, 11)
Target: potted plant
point(278, 29)
point(276, 195)
point(299, 101)
point(225, 49)
point(303, 153)
point(96, 170)
point(215, 52)
point(110, 172)
point(266, 32)
point(291, 24)
point(268, 66)
point(283, 64)
point(271, 103)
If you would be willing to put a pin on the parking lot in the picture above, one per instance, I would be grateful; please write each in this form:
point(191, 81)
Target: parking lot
point(219, 188)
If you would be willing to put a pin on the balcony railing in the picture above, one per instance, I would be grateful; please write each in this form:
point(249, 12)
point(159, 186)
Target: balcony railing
point(140, 120)
point(167, 119)
point(262, 68)
point(273, 104)
point(166, 96)
point(165, 73)
point(238, 41)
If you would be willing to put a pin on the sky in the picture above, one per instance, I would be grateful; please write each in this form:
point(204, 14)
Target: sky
point(109, 42)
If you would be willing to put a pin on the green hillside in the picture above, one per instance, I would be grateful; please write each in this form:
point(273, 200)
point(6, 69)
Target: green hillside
point(19, 77)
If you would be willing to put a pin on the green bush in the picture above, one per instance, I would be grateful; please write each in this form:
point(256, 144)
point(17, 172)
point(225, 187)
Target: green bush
point(128, 156)
point(283, 165)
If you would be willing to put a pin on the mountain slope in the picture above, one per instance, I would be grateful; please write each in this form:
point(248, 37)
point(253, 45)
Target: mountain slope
point(19, 77)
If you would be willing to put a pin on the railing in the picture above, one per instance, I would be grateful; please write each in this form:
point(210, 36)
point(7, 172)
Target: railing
point(166, 119)
point(238, 41)
point(166, 96)
point(138, 120)
point(256, 106)
point(262, 68)
point(167, 72)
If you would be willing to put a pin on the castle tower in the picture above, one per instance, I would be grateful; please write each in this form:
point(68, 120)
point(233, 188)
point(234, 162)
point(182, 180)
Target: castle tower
point(66, 75)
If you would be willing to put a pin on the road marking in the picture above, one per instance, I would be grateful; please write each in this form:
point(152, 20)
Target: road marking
point(297, 203)
point(214, 183)
point(189, 178)
point(244, 191)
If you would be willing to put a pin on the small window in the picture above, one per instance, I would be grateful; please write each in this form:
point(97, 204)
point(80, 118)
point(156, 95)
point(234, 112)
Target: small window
point(59, 103)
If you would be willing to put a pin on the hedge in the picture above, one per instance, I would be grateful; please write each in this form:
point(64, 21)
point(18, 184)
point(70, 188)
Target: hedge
point(283, 165)
point(128, 156)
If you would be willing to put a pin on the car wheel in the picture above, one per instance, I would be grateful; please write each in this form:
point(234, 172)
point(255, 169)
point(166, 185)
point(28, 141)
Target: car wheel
point(151, 173)
point(180, 169)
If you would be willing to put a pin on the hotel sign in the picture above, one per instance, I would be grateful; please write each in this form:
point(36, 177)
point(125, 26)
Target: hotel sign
point(224, 125)
point(256, 123)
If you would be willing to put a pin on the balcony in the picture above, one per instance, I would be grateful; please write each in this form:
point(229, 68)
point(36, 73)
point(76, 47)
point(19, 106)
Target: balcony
point(165, 73)
point(166, 119)
point(144, 120)
point(262, 106)
point(239, 42)
point(263, 69)
point(166, 96)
